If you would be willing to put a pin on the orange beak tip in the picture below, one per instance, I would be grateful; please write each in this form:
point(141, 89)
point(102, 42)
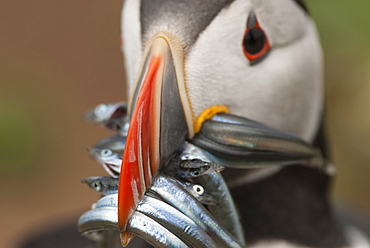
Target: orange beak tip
point(126, 238)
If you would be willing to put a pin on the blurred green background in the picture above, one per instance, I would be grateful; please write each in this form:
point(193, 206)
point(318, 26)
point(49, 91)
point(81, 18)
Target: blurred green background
point(58, 59)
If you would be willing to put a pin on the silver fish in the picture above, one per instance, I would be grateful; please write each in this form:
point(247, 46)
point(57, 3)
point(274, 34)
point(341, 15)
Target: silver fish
point(155, 221)
point(169, 190)
point(198, 192)
point(110, 161)
point(196, 167)
point(216, 187)
point(112, 115)
point(224, 211)
point(104, 111)
point(153, 232)
point(98, 219)
point(238, 142)
point(179, 224)
point(115, 143)
point(104, 185)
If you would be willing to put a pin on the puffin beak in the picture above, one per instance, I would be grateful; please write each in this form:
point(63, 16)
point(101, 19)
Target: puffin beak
point(160, 120)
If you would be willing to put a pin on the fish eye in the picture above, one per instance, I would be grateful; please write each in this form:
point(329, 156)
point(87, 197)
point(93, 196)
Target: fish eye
point(199, 190)
point(195, 172)
point(106, 152)
point(255, 43)
point(97, 186)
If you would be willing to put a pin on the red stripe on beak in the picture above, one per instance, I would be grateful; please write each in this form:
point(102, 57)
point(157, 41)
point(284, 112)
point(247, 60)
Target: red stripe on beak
point(161, 119)
point(140, 160)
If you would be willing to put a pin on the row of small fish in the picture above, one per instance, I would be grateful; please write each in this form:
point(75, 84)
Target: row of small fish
point(248, 143)
point(111, 160)
point(109, 186)
point(108, 152)
point(166, 217)
point(225, 139)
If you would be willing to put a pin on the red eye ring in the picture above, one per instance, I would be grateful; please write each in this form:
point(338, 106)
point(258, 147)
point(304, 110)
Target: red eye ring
point(255, 43)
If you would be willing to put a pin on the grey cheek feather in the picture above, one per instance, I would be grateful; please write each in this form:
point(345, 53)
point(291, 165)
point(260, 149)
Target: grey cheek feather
point(186, 18)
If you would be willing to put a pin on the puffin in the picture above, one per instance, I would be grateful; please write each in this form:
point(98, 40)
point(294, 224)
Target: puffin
point(191, 62)
point(188, 61)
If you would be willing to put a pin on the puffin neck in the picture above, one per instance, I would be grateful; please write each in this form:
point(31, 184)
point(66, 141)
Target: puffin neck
point(292, 205)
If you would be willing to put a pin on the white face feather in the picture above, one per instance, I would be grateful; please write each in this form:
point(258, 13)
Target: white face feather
point(283, 91)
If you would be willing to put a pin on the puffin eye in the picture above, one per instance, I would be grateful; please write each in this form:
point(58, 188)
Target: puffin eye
point(255, 43)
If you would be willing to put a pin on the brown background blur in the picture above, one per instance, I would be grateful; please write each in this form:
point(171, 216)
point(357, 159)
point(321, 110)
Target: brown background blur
point(59, 59)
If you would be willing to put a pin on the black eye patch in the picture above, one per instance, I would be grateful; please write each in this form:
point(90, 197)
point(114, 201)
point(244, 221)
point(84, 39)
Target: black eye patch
point(255, 43)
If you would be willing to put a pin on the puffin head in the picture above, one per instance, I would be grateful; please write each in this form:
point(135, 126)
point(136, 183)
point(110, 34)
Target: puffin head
point(187, 60)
